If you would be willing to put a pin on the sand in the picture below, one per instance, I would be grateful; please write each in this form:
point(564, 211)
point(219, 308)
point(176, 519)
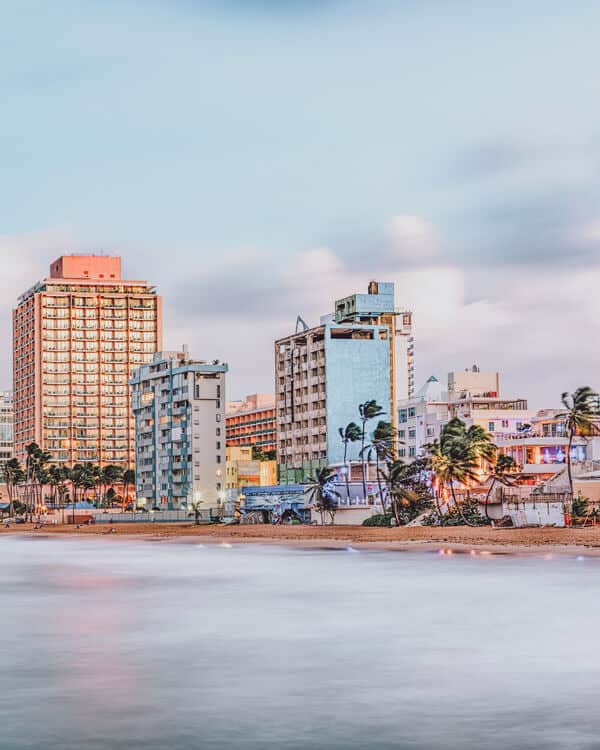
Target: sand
point(547, 540)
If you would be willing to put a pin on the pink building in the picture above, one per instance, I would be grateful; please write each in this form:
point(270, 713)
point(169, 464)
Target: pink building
point(77, 337)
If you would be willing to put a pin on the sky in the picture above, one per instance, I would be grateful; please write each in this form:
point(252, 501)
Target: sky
point(257, 159)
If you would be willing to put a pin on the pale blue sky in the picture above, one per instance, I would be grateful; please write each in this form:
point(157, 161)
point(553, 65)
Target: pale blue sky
point(250, 157)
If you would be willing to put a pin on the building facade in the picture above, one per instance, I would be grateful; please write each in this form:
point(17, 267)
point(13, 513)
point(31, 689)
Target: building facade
point(179, 411)
point(252, 422)
point(77, 336)
point(471, 396)
point(322, 374)
point(6, 427)
point(243, 471)
point(542, 448)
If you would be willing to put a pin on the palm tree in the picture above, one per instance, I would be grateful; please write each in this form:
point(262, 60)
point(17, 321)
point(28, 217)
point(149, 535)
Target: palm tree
point(504, 465)
point(58, 476)
point(13, 476)
point(84, 477)
point(349, 434)
point(128, 481)
point(480, 443)
point(36, 476)
point(581, 410)
point(110, 475)
point(321, 493)
point(383, 446)
point(369, 410)
point(457, 454)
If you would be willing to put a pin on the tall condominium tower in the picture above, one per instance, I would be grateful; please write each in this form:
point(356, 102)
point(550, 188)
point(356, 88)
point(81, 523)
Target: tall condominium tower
point(77, 337)
point(179, 407)
point(363, 351)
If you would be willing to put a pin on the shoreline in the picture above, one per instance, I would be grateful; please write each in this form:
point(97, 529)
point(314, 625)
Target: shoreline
point(449, 540)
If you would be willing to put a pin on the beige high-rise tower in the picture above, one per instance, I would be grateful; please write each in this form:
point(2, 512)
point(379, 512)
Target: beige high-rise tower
point(77, 337)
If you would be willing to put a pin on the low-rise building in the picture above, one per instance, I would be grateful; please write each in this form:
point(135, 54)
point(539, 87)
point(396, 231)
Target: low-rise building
point(541, 448)
point(244, 471)
point(179, 409)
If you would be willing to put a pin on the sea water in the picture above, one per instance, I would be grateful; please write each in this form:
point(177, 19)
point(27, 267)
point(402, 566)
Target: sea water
point(116, 645)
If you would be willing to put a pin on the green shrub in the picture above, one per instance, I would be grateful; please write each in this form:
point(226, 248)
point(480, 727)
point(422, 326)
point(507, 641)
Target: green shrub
point(580, 507)
point(379, 520)
point(457, 516)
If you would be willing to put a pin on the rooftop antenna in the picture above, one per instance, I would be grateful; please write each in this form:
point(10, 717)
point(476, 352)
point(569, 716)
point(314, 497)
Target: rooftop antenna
point(301, 322)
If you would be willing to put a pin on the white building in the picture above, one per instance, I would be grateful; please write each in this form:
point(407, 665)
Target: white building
point(179, 409)
point(472, 396)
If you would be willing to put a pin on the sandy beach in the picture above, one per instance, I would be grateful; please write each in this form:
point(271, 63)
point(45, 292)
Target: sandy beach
point(534, 540)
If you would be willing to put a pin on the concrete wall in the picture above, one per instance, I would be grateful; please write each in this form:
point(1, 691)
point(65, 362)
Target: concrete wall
point(350, 516)
point(535, 514)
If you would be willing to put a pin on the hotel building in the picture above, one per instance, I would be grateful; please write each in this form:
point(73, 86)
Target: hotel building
point(179, 410)
point(363, 351)
point(77, 336)
point(252, 422)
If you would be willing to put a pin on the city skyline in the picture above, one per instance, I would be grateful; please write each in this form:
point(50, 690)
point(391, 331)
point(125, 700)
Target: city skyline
point(186, 151)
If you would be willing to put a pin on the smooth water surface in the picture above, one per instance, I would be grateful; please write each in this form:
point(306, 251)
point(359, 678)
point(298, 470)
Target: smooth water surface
point(114, 645)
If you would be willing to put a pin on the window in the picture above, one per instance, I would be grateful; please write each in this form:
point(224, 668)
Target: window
point(412, 451)
point(412, 434)
point(218, 459)
point(401, 434)
point(402, 452)
point(491, 426)
point(411, 411)
point(402, 416)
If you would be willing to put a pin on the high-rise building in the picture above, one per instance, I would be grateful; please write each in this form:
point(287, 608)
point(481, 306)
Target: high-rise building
point(363, 351)
point(77, 336)
point(252, 422)
point(179, 409)
point(6, 427)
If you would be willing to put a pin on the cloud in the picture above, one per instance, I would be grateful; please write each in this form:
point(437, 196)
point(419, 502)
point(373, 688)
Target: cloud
point(536, 323)
point(523, 161)
point(522, 318)
point(412, 240)
point(25, 260)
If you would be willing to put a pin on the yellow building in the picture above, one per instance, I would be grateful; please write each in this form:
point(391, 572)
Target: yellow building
point(243, 471)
